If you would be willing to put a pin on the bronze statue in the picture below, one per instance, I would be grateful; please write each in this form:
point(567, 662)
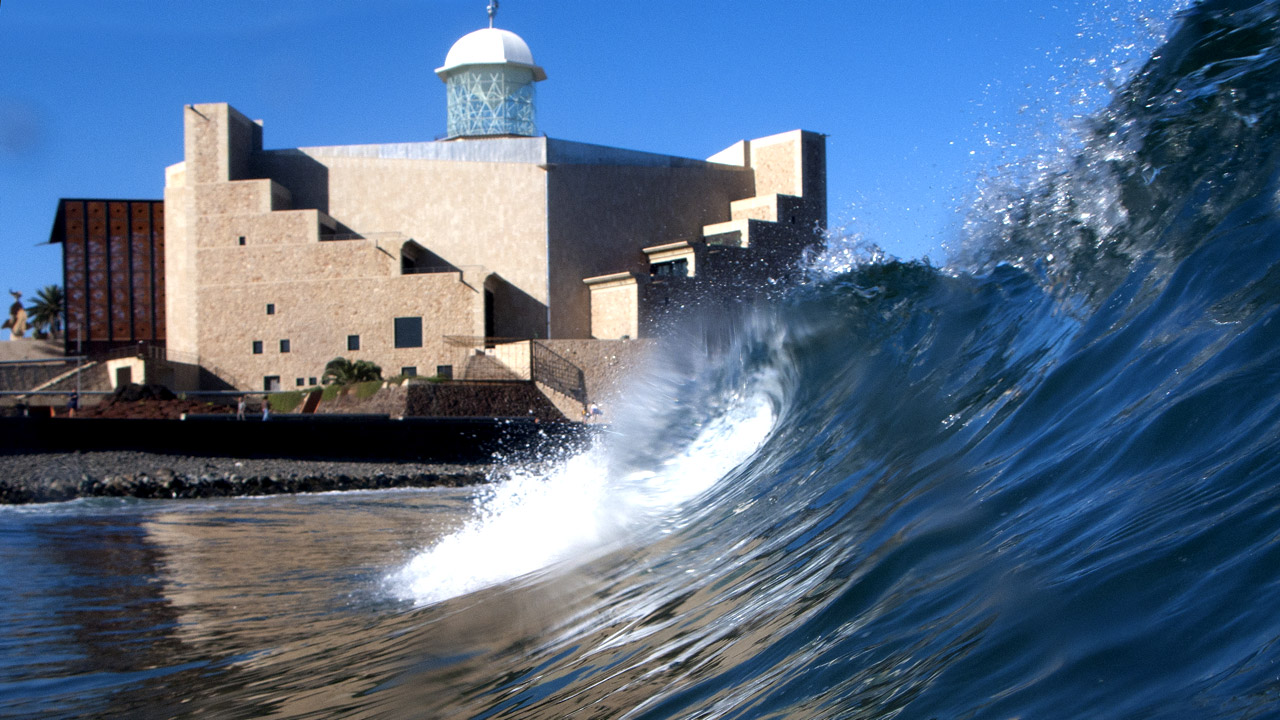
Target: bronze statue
point(17, 322)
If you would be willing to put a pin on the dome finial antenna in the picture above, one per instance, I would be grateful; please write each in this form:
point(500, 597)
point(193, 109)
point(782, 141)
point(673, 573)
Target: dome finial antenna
point(493, 10)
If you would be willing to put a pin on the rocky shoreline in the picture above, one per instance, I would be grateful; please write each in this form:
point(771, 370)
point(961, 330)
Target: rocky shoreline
point(53, 477)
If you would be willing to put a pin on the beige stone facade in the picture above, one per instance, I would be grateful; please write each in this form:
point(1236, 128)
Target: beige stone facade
point(278, 261)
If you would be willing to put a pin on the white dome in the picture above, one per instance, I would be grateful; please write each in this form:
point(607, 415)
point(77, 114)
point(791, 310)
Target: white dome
point(490, 46)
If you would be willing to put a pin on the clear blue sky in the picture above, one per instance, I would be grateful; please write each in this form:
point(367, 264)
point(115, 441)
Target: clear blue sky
point(917, 96)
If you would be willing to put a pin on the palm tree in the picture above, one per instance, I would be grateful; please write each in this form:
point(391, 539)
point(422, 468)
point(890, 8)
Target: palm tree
point(47, 309)
point(342, 371)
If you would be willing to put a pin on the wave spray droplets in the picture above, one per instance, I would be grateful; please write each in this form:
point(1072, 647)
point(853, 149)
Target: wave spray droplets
point(580, 509)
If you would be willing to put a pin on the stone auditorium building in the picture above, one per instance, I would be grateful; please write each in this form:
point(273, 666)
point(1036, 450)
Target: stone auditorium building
point(418, 256)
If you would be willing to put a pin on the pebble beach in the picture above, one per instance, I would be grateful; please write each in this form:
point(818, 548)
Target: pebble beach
point(54, 477)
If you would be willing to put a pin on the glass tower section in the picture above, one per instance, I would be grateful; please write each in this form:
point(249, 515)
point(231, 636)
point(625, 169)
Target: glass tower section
point(491, 100)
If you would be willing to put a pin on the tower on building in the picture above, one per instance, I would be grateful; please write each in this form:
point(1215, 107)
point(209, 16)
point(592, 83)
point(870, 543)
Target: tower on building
point(490, 75)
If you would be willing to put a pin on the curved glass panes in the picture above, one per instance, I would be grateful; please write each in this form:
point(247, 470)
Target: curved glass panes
point(491, 100)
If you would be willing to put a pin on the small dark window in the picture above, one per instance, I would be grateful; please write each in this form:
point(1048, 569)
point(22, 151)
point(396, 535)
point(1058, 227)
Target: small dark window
point(257, 347)
point(300, 382)
point(353, 342)
point(241, 239)
point(409, 371)
point(408, 332)
point(271, 383)
point(311, 381)
point(284, 346)
point(672, 268)
point(271, 308)
point(444, 371)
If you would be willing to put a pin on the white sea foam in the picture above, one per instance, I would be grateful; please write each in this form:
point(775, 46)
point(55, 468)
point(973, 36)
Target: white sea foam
point(584, 507)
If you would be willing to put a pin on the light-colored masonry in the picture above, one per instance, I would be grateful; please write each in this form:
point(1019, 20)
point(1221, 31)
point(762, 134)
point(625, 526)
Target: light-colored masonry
point(406, 254)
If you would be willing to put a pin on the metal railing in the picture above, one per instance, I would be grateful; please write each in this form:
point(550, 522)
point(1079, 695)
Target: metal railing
point(557, 372)
point(545, 365)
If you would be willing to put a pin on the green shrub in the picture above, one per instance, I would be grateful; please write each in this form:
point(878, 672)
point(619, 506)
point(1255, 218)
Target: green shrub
point(330, 393)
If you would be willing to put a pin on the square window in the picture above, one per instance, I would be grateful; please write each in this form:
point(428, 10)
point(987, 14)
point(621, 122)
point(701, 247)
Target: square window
point(409, 371)
point(271, 308)
point(284, 346)
point(408, 332)
point(271, 383)
point(311, 381)
point(353, 342)
point(300, 383)
point(257, 347)
point(444, 371)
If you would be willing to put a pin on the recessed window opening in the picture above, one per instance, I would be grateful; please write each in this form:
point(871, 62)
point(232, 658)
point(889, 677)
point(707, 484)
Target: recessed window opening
point(670, 269)
point(241, 239)
point(284, 346)
point(353, 342)
point(408, 332)
point(271, 308)
point(257, 347)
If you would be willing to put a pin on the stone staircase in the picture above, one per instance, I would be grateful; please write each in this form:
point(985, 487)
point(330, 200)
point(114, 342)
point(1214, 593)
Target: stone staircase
point(487, 367)
point(559, 380)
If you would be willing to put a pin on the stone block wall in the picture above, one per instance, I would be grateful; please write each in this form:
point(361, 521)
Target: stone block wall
point(604, 216)
point(317, 316)
point(354, 260)
point(615, 300)
point(608, 366)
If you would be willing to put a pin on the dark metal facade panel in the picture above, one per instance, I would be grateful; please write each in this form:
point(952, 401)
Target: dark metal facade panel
point(113, 272)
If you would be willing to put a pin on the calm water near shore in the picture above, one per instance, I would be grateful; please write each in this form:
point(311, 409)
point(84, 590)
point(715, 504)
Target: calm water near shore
point(116, 607)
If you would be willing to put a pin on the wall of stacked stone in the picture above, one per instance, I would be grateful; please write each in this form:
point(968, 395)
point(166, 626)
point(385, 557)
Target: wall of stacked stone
point(467, 213)
point(26, 377)
point(604, 215)
point(608, 366)
point(354, 260)
point(777, 165)
point(281, 227)
point(317, 316)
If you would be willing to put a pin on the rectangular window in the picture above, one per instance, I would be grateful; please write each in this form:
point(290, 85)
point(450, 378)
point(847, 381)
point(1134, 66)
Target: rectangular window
point(409, 371)
point(671, 268)
point(311, 381)
point(241, 239)
point(444, 371)
point(271, 383)
point(408, 332)
point(284, 346)
point(257, 347)
point(353, 342)
point(271, 308)
point(299, 383)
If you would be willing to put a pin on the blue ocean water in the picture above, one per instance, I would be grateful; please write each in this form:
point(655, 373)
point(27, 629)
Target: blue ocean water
point(1040, 481)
